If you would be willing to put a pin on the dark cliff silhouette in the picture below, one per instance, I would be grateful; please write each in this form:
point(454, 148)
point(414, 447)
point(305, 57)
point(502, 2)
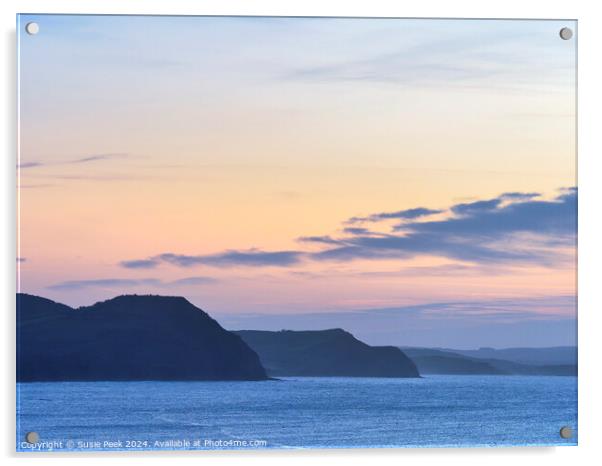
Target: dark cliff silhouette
point(326, 353)
point(128, 338)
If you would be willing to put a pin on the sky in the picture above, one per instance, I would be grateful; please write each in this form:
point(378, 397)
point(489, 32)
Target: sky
point(412, 181)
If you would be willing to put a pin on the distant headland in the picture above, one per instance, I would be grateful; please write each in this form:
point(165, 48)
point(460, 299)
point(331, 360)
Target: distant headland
point(149, 337)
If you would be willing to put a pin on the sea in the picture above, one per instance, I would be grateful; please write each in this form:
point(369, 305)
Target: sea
point(298, 413)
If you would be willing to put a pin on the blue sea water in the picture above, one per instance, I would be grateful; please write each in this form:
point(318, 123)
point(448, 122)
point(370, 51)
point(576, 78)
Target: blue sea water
point(434, 411)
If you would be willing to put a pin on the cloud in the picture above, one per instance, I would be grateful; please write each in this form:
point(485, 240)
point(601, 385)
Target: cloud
point(80, 160)
point(318, 239)
point(181, 260)
point(231, 258)
point(140, 264)
point(553, 217)
point(72, 285)
point(520, 196)
point(104, 283)
point(86, 176)
point(29, 165)
point(97, 157)
point(356, 231)
point(253, 258)
point(489, 231)
point(491, 204)
point(475, 207)
point(394, 68)
point(512, 229)
point(408, 214)
point(493, 61)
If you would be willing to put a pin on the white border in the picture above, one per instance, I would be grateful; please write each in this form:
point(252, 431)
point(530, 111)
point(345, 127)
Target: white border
point(590, 225)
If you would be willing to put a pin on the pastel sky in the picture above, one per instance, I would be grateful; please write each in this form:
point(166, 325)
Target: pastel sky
point(413, 181)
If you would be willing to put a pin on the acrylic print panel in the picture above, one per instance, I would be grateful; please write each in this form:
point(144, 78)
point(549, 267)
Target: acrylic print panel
point(261, 233)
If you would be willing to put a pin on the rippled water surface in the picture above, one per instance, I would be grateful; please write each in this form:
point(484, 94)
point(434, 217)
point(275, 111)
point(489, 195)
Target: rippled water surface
point(298, 413)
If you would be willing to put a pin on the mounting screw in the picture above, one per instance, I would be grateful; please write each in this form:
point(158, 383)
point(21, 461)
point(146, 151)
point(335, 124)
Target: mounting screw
point(566, 33)
point(32, 28)
point(32, 437)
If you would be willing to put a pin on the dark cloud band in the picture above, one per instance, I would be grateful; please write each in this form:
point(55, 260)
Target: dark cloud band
point(513, 228)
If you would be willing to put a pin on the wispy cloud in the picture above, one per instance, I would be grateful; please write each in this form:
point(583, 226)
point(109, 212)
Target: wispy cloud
point(231, 258)
point(519, 196)
point(104, 283)
point(356, 231)
point(97, 157)
point(253, 258)
point(72, 285)
point(35, 185)
point(29, 165)
point(472, 59)
point(405, 66)
point(319, 239)
point(408, 214)
point(79, 160)
point(140, 264)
